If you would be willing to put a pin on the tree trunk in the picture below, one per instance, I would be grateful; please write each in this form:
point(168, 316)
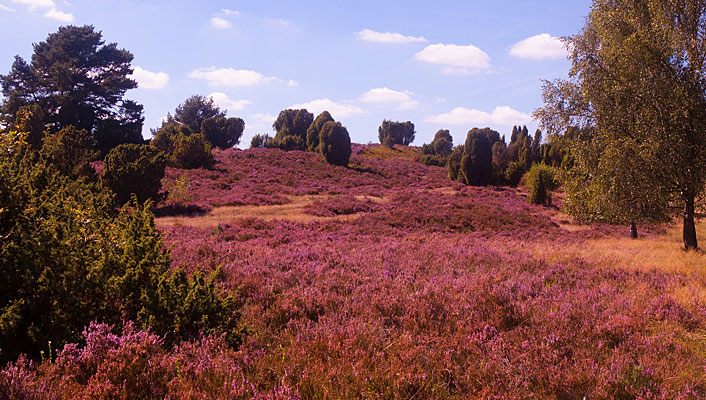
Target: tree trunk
point(689, 234)
point(633, 231)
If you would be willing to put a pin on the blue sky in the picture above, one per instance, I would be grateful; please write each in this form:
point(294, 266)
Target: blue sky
point(440, 64)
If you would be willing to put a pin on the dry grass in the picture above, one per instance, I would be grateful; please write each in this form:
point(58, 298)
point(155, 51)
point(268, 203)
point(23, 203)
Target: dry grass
point(293, 211)
point(386, 153)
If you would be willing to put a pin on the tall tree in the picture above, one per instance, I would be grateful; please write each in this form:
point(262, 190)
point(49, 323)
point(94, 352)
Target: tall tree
point(77, 80)
point(636, 93)
point(194, 110)
point(223, 132)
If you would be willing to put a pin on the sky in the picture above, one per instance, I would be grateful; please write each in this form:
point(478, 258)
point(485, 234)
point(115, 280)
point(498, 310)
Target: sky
point(441, 64)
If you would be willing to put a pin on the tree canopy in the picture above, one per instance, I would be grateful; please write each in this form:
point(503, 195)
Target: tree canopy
point(291, 127)
point(78, 80)
point(391, 133)
point(636, 101)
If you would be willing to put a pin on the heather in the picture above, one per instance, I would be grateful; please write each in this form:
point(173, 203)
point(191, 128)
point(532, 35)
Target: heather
point(426, 289)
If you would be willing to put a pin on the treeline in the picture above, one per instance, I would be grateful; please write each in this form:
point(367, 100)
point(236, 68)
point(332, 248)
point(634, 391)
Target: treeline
point(298, 130)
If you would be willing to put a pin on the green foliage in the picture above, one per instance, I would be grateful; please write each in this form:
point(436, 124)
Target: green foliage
point(312, 134)
point(68, 258)
point(291, 128)
point(635, 97)
point(391, 133)
point(78, 80)
point(335, 143)
point(477, 160)
point(541, 180)
point(223, 132)
point(261, 140)
point(194, 111)
point(30, 119)
point(192, 151)
point(134, 169)
point(437, 152)
point(453, 164)
point(70, 150)
point(514, 172)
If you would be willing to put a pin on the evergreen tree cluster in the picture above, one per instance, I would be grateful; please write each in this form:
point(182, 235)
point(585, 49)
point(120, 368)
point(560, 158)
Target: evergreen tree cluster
point(438, 151)
point(391, 133)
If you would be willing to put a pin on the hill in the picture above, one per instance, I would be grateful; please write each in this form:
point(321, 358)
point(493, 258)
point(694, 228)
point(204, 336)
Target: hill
point(388, 280)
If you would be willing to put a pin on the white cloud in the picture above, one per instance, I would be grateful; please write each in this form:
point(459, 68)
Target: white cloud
point(49, 8)
point(6, 8)
point(34, 5)
point(282, 23)
point(231, 77)
point(388, 37)
point(150, 80)
point(226, 11)
point(337, 110)
point(455, 59)
point(388, 97)
point(539, 47)
point(223, 101)
point(220, 23)
point(503, 115)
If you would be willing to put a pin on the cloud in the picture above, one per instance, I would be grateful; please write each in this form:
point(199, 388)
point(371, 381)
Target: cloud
point(337, 110)
point(539, 47)
point(455, 59)
point(49, 8)
point(388, 97)
point(231, 77)
point(503, 115)
point(368, 35)
point(226, 11)
point(149, 80)
point(223, 101)
point(220, 23)
point(6, 8)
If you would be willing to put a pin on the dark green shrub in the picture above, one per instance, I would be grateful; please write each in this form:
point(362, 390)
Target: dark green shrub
point(192, 151)
point(514, 172)
point(222, 132)
point(477, 160)
point(433, 159)
point(194, 110)
point(68, 258)
point(312, 134)
point(70, 150)
point(453, 164)
point(166, 137)
point(335, 143)
point(134, 169)
point(291, 127)
point(391, 133)
point(541, 180)
point(260, 140)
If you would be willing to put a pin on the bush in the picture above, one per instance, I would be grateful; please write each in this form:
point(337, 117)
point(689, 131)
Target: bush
point(541, 180)
point(222, 132)
point(260, 140)
point(453, 164)
point(69, 258)
point(134, 169)
point(70, 150)
point(192, 151)
point(477, 161)
point(335, 143)
point(291, 127)
point(391, 133)
point(514, 172)
point(312, 134)
point(166, 137)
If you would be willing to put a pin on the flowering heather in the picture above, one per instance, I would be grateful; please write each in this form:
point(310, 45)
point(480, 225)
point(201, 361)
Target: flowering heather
point(429, 290)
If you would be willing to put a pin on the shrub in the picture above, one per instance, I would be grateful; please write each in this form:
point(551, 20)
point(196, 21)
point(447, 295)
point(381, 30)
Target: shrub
point(514, 172)
point(70, 150)
point(134, 169)
point(453, 164)
point(312, 134)
point(541, 181)
point(335, 143)
point(192, 151)
point(477, 160)
point(260, 140)
point(391, 133)
point(291, 127)
point(68, 258)
point(222, 132)
point(166, 137)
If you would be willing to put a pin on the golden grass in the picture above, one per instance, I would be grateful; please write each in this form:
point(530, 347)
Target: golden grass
point(293, 211)
point(386, 153)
